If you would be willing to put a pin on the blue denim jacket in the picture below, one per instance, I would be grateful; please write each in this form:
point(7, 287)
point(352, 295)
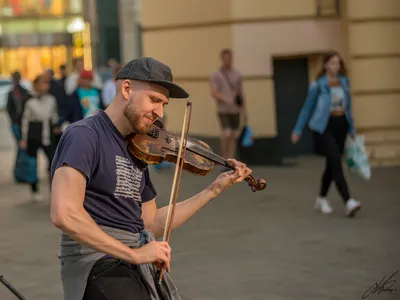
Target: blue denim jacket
point(316, 109)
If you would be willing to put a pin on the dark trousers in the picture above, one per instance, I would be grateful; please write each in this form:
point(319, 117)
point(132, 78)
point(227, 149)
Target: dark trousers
point(16, 130)
point(32, 149)
point(332, 142)
point(113, 279)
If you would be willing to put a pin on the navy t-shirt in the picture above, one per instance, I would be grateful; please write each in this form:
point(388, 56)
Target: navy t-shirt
point(117, 182)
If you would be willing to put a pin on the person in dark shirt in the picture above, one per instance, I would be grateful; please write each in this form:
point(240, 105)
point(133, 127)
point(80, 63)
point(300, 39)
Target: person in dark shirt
point(85, 101)
point(58, 92)
point(63, 76)
point(103, 199)
point(16, 100)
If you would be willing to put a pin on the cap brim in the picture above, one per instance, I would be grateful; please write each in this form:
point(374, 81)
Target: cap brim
point(175, 91)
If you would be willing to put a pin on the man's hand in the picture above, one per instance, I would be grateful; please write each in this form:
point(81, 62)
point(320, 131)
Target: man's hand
point(154, 252)
point(227, 179)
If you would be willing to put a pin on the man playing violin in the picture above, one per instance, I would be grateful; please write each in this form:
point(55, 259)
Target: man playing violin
point(103, 199)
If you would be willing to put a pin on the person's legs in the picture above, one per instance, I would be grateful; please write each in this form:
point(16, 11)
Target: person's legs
point(225, 134)
point(326, 141)
point(32, 149)
point(111, 279)
point(55, 140)
point(341, 132)
point(334, 141)
point(337, 173)
point(234, 121)
point(49, 151)
point(16, 131)
point(326, 180)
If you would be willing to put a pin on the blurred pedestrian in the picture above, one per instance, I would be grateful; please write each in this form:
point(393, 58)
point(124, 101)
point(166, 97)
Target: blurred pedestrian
point(39, 122)
point(327, 110)
point(72, 80)
point(63, 76)
point(109, 89)
point(227, 90)
point(86, 100)
point(16, 100)
point(58, 92)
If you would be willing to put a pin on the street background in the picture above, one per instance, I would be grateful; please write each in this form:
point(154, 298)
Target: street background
point(243, 245)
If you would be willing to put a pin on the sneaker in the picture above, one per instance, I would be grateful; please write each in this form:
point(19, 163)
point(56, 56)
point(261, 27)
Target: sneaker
point(36, 197)
point(322, 205)
point(352, 206)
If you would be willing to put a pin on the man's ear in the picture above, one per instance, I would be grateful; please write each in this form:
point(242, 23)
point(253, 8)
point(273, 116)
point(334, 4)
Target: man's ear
point(126, 87)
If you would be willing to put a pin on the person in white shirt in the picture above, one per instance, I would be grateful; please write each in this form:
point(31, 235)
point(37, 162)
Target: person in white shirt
point(108, 92)
point(39, 123)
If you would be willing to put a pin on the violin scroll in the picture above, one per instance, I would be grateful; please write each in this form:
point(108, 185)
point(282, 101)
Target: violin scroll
point(255, 185)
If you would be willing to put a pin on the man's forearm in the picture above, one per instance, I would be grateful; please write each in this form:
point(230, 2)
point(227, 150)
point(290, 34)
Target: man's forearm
point(81, 227)
point(183, 211)
point(219, 97)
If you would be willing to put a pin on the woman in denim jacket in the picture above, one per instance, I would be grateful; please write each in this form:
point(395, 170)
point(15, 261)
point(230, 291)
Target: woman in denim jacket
point(327, 110)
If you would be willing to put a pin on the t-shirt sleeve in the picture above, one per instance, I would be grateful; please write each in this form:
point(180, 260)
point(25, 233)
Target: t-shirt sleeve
point(78, 149)
point(149, 191)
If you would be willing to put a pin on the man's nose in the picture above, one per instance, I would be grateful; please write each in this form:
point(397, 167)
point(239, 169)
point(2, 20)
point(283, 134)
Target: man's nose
point(159, 112)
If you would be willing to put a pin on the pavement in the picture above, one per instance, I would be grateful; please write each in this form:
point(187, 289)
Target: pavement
point(241, 246)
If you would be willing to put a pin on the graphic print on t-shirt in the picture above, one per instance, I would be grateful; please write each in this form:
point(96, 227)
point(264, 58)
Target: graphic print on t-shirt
point(90, 101)
point(338, 98)
point(128, 180)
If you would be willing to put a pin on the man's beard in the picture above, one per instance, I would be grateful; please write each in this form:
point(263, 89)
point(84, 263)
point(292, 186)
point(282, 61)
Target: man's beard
point(134, 120)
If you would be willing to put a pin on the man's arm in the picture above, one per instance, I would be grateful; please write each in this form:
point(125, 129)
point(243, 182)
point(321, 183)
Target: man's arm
point(154, 219)
point(69, 215)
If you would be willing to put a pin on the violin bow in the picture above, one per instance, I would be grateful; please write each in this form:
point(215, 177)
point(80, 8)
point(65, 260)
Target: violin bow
point(177, 178)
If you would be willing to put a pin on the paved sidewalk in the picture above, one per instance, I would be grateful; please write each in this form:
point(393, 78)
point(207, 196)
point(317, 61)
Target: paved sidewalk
point(241, 246)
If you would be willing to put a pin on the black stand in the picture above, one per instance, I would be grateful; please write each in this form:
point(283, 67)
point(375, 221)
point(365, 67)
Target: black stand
point(11, 288)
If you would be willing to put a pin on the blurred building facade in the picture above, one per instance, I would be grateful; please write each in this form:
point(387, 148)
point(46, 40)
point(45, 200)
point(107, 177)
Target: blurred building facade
point(277, 46)
point(40, 34)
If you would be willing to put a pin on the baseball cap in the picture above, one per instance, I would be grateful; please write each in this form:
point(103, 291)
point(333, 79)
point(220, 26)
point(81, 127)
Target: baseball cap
point(86, 74)
point(151, 70)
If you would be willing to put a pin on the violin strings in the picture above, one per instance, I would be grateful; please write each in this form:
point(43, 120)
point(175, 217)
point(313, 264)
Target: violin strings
point(202, 151)
point(209, 155)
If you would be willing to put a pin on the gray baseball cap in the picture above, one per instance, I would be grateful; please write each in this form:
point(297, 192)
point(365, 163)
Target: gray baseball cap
point(152, 70)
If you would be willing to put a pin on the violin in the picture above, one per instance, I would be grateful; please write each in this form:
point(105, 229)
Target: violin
point(160, 145)
point(190, 154)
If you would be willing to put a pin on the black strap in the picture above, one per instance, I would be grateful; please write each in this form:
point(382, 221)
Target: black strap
point(238, 99)
point(227, 80)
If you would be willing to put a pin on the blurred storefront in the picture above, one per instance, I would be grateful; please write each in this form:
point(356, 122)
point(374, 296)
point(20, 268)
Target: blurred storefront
point(40, 34)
